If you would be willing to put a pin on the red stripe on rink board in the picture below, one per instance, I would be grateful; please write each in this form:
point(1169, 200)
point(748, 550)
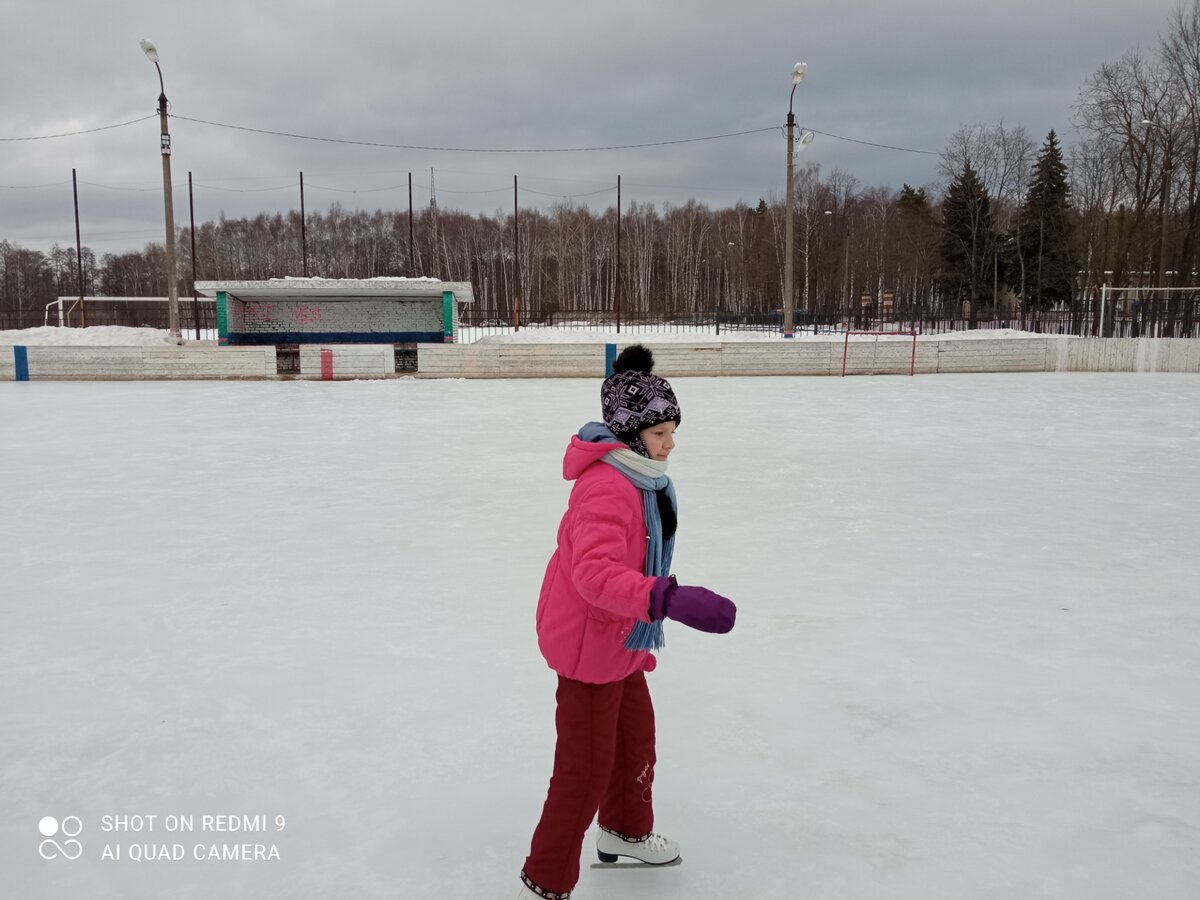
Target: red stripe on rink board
point(327, 365)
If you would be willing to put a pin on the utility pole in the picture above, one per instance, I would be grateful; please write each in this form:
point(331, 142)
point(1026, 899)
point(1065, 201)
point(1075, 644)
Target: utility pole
point(516, 260)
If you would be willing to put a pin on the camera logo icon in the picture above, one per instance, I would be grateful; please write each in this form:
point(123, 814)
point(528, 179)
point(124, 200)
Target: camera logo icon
point(69, 828)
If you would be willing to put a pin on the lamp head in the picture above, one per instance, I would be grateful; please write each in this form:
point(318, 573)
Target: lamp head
point(149, 49)
point(804, 140)
point(798, 72)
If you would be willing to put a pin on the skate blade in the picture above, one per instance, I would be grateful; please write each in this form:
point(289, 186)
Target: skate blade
point(637, 864)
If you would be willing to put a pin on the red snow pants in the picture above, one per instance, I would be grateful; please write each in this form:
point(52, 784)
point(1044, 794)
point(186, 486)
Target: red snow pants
point(604, 760)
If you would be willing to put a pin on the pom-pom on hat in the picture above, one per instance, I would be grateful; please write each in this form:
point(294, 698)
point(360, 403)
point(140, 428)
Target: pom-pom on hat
point(633, 398)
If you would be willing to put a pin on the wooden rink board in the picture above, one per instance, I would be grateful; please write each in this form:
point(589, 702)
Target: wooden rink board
point(509, 360)
point(587, 360)
point(798, 358)
point(864, 356)
point(349, 360)
point(149, 363)
point(1135, 355)
point(1001, 355)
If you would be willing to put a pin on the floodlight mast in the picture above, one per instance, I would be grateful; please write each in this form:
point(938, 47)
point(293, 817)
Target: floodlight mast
point(168, 203)
point(798, 72)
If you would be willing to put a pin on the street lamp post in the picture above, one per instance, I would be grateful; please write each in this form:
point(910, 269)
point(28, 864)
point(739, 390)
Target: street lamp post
point(790, 228)
point(169, 209)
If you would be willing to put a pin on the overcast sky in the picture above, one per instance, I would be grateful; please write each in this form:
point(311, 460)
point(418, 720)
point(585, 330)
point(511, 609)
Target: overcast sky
point(516, 74)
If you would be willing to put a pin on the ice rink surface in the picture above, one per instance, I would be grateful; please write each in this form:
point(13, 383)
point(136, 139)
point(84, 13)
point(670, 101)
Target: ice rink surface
point(966, 664)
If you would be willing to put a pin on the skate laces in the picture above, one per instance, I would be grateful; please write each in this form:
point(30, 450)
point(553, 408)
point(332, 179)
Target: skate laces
point(654, 841)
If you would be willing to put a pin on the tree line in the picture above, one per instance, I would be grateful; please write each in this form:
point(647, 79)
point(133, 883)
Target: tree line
point(1018, 226)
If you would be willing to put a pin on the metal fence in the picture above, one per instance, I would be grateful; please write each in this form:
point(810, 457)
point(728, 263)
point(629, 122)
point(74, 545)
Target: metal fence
point(196, 320)
point(1159, 317)
point(1174, 316)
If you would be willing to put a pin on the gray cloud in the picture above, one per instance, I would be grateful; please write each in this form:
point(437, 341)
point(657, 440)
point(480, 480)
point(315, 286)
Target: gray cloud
point(529, 73)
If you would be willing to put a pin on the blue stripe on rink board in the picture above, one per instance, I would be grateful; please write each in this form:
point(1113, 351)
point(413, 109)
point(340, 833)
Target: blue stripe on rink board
point(21, 360)
point(610, 357)
point(336, 337)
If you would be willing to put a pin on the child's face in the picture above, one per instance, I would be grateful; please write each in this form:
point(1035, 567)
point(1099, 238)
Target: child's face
point(659, 440)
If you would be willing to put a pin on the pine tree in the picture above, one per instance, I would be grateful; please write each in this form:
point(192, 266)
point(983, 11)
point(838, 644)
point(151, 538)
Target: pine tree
point(910, 198)
point(917, 233)
point(1045, 271)
point(967, 240)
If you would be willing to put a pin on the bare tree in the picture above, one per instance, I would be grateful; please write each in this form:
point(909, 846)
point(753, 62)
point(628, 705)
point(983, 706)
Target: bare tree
point(1001, 157)
point(1180, 51)
point(1113, 109)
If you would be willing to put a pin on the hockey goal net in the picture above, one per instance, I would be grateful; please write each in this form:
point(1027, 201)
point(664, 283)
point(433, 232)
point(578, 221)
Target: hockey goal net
point(879, 353)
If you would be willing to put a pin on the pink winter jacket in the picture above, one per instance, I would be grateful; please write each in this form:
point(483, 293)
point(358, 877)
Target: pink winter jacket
point(594, 590)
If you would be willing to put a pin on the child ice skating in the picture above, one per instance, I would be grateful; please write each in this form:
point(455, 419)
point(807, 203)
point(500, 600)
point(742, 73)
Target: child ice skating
point(606, 594)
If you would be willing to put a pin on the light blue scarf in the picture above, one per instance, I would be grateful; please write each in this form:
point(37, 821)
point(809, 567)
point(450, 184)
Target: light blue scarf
point(645, 635)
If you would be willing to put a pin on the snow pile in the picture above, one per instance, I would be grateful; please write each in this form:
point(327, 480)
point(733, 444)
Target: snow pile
point(418, 278)
point(986, 334)
point(537, 335)
point(702, 335)
point(92, 336)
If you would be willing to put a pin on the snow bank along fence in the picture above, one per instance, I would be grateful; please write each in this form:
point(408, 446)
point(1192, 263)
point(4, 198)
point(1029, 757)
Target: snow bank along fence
point(195, 315)
point(864, 356)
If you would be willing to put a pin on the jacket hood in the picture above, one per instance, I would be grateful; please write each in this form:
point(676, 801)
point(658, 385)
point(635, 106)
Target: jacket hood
point(593, 442)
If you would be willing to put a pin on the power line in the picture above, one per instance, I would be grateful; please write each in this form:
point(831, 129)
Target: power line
point(360, 143)
point(30, 187)
point(328, 140)
point(607, 190)
point(711, 137)
point(46, 137)
point(503, 190)
point(390, 187)
point(113, 187)
point(93, 237)
point(281, 187)
point(840, 137)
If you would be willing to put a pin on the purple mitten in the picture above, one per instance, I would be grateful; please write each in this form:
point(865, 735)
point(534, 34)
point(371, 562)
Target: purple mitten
point(695, 607)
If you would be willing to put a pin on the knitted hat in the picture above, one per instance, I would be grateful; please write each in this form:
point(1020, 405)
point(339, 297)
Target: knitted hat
point(634, 399)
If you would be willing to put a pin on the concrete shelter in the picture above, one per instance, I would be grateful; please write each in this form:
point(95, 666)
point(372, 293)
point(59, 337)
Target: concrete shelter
point(337, 310)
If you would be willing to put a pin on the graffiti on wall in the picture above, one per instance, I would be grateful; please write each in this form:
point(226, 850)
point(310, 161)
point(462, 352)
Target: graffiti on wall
point(263, 313)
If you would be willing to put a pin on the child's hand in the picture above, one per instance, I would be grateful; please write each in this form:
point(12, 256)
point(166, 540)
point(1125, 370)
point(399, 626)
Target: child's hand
point(695, 607)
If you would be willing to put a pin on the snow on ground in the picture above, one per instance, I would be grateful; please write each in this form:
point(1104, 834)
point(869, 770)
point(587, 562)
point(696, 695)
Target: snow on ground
point(93, 336)
point(118, 336)
point(653, 335)
point(966, 661)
